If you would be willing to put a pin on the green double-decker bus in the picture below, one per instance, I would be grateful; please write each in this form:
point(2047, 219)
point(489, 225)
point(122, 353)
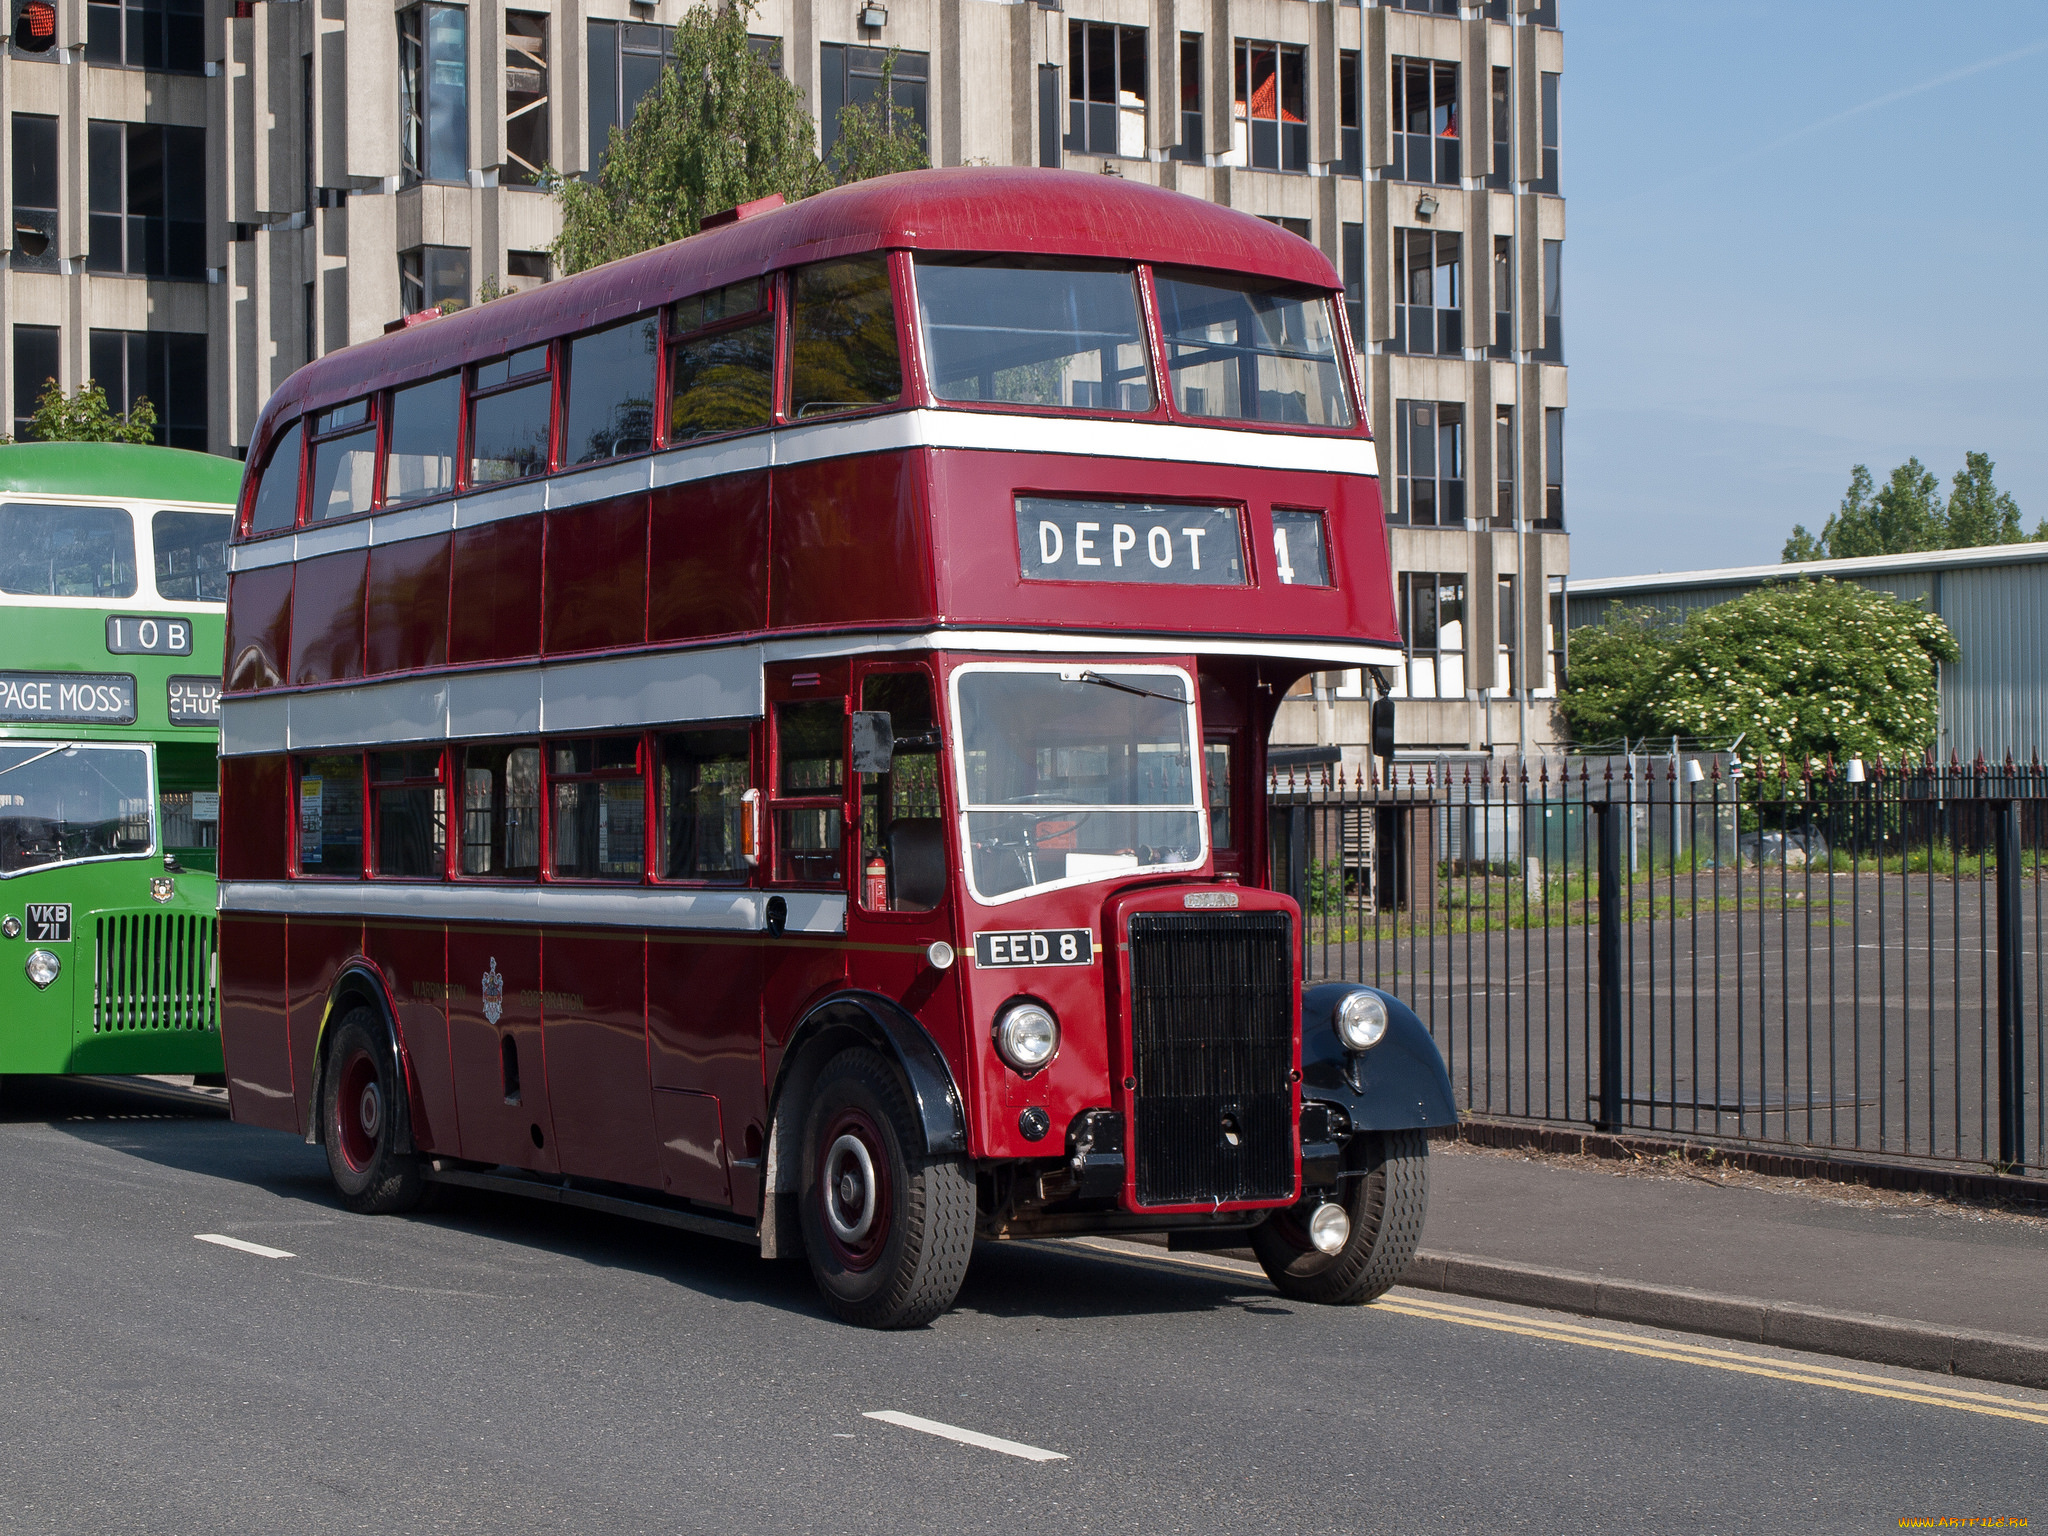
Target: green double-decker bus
point(113, 590)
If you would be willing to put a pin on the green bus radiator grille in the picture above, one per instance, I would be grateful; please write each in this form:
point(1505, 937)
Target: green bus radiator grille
point(153, 971)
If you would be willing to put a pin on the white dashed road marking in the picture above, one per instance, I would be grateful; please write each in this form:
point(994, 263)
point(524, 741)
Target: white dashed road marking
point(964, 1436)
point(239, 1246)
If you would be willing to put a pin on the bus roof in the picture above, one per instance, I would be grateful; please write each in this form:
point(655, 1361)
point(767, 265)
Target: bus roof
point(127, 471)
point(968, 208)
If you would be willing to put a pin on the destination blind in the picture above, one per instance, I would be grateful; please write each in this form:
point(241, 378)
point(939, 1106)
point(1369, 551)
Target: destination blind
point(67, 698)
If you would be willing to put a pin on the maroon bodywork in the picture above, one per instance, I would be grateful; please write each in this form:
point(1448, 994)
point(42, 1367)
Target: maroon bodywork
point(648, 1054)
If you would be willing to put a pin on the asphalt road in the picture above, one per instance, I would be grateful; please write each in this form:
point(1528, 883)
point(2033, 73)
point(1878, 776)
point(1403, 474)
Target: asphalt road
point(502, 1366)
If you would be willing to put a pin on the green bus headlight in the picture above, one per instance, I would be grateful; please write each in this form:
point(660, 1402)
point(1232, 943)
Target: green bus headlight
point(42, 967)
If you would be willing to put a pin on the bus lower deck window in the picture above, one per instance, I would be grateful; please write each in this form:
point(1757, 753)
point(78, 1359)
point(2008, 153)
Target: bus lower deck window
point(501, 811)
point(412, 816)
point(902, 863)
point(810, 745)
point(331, 816)
point(705, 776)
point(598, 809)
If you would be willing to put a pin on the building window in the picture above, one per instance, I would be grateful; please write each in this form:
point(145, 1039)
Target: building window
point(35, 369)
point(167, 35)
point(433, 93)
point(1548, 182)
point(1190, 147)
point(1427, 7)
point(167, 367)
point(147, 198)
point(1425, 114)
point(1428, 318)
point(625, 62)
point(1502, 176)
point(526, 98)
point(1506, 639)
point(1504, 466)
point(1350, 137)
point(1298, 227)
point(1553, 302)
point(1271, 127)
point(1553, 467)
point(1433, 629)
point(1544, 13)
point(1430, 464)
point(1503, 297)
point(35, 196)
point(852, 77)
point(432, 275)
point(1105, 90)
point(526, 269)
point(1353, 252)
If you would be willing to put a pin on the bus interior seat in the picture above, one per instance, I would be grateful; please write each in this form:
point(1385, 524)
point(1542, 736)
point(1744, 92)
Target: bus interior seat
point(917, 855)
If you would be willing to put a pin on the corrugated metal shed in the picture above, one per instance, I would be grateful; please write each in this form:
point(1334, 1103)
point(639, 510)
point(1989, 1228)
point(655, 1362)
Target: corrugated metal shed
point(1994, 599)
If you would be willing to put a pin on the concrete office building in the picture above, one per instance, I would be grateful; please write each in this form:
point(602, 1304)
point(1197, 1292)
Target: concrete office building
point(204, 195)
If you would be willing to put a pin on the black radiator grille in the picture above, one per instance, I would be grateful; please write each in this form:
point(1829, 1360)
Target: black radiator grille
point(153, 971)
point(1212, 1048)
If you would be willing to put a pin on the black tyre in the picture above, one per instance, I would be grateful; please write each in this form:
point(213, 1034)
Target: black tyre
point(888, 1233)
point(1386, 1206)
point(361, 1101)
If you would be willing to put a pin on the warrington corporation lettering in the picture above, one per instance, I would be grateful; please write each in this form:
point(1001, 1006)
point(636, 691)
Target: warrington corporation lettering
point(78, 698)
point(1147, 543)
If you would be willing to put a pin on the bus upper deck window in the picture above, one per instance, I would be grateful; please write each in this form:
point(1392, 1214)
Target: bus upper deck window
point(721, 370)
point(344, 464)
point(508, 427)
point(1015, 331)
point(191, 555)
point(608, 406)
point(419, 458)
point(842, 338)
point(58, 551)
point(1248, 350)
point(277, 493)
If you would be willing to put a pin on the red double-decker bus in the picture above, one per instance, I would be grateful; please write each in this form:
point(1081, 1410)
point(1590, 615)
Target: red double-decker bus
point(769, 736)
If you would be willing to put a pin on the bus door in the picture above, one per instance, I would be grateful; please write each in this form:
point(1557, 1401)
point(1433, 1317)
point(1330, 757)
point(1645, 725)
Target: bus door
point(804, 944)
point(900, 840)
point(704, 974)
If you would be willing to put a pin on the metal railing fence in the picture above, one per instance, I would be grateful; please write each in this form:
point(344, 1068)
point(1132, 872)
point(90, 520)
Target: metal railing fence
point(1834, 959)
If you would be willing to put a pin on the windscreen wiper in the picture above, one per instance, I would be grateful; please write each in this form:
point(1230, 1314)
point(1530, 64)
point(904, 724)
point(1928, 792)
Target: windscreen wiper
point(1092, 676)
point(66, 747)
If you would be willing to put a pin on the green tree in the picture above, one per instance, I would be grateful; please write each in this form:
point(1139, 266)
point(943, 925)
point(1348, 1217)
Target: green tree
point(85, 417)
point(1978, 511)
point(1610, 687)
point(720, 129)
point(877, 138)
point(1805, 670)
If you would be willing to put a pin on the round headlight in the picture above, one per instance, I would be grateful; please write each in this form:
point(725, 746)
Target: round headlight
point(1361, 1021)
point(1329, 1228)
point(1027, 1035)
point(43, 967)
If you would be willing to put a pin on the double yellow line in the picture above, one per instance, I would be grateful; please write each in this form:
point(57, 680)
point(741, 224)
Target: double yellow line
point(1539, 1326)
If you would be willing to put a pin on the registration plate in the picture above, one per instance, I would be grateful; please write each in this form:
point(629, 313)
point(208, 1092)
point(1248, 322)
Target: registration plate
point(49, 922)
point(1008, 949)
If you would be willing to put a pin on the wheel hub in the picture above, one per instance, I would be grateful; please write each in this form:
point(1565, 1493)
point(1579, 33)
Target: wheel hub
point(370, 1110)
point(850, 1185)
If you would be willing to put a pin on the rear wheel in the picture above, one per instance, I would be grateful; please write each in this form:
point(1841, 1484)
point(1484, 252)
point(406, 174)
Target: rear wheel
point(888, 1234)
point(1385, 1206)
point(360, 1102)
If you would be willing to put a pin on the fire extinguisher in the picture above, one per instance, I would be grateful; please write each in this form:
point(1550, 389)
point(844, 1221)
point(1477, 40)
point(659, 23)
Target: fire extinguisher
point(878, 883)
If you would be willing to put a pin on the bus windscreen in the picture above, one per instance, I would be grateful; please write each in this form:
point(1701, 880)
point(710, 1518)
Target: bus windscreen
point(1017, 332)
point(1074, 774)
point(1251, 351)
point(60, 804)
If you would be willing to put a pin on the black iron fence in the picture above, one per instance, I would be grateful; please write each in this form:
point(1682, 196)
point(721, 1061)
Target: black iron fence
point(1842, 960)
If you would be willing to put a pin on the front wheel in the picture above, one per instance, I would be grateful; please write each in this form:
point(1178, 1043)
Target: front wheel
point(1385, 1204)
point(361, 1099)
point(888, 1235)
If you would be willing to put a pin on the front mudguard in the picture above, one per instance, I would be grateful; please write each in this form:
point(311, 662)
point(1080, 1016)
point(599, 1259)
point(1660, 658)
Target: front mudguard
point(1400, 1084)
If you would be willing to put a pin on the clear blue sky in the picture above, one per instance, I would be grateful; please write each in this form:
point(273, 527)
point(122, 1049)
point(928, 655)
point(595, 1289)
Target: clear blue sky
point(1800, 237)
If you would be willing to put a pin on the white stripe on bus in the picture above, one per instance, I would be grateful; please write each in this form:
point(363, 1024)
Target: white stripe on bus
point(560, 905)
point(814, 442)
point(663, 687)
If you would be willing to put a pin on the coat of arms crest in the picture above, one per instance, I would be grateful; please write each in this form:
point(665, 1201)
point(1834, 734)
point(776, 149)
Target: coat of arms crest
point(162, 888)
point(494, 993)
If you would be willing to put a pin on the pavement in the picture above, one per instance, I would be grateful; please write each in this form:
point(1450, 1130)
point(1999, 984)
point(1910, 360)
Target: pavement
point(194, 1336)
point(1937, 1285)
